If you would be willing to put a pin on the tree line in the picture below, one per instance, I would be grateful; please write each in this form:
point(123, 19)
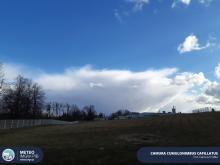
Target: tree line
point(21, 99)
point(24, 98)
point(69, 112)
point(121, 112)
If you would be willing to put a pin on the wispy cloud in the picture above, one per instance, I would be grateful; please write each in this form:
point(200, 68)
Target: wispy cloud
point(138, 4)
point(217, 71)
point(185, 2)
point(118, 15)
point(130, 7)
point(133, 6)
point(188, 2)
point(205, 2)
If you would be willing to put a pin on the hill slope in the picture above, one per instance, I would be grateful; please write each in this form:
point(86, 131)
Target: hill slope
point(115, 142)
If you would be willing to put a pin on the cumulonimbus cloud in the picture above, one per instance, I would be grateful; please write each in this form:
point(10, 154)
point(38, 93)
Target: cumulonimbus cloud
point(113, 89)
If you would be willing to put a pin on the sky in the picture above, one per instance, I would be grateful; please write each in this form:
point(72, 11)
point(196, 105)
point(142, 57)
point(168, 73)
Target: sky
point(141, 55)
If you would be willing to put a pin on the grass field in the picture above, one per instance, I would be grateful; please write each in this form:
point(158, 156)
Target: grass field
point(115, 142)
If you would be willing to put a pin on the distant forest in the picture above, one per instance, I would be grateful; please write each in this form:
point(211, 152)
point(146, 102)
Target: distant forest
point(25, 99)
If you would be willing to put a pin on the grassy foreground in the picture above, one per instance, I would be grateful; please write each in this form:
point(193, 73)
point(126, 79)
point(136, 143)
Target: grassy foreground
point(115, 142)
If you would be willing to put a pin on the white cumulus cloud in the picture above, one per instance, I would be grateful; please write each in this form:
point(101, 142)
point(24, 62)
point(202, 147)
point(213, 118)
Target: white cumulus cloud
point(191, 43)
point(187, 78)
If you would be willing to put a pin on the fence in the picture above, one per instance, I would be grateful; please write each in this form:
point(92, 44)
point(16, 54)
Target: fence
point(8, 124)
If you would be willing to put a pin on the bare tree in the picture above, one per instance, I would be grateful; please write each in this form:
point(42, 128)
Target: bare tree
point(1, 79)
point(24, 99)
point(37, 98)
point(1, 86)
point(89, 112)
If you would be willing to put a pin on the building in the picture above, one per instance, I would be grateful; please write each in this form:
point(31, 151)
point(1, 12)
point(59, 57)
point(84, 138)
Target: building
point(174, 109)
point(164, 112)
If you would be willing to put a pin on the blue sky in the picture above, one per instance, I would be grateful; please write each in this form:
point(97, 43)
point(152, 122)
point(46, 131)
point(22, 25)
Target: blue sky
point(56, 34)
point(134, 35)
